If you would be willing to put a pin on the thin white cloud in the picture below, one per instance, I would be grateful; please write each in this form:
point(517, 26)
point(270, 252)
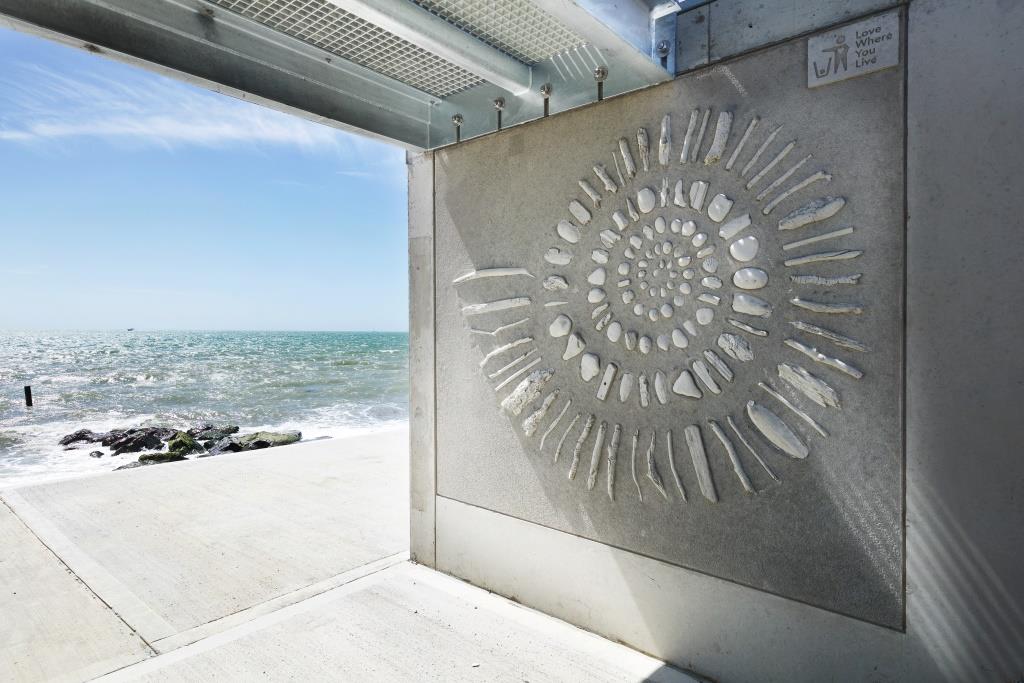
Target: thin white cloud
point(147, 109)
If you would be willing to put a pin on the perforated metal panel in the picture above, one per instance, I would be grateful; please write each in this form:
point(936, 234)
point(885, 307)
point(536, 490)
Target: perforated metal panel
point(322, 24)
point(516, 27)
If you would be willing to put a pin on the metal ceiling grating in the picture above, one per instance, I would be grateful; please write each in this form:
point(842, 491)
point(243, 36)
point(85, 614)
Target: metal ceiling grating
point(326, 26)
point(516, 27)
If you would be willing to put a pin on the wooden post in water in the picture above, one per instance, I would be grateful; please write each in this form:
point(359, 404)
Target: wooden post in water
point(28, 396)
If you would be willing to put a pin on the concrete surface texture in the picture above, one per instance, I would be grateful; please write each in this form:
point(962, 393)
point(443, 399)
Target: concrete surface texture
point(405, 623)
point(284, 564)
point(963, 527)
point(842, 505)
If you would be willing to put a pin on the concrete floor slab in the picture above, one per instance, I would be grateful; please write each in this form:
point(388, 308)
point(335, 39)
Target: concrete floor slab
point(179, 547)
point(52, 627)
point(404, 623)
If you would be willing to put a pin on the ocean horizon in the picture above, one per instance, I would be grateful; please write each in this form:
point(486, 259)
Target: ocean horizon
point(323, 383)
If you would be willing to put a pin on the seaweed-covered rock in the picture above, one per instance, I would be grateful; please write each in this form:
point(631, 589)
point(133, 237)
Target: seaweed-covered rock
point(156, 458)
point(258, 440)
point(182, 444)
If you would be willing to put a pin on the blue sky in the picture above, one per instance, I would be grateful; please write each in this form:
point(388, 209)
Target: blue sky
point(128, 199)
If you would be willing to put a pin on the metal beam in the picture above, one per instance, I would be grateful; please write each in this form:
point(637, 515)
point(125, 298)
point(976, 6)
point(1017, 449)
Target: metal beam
point(225, 52)
point(411, 22)
point(620, 30)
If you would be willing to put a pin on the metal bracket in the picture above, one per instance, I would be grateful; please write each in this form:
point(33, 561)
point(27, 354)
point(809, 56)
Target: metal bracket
point(664, 41)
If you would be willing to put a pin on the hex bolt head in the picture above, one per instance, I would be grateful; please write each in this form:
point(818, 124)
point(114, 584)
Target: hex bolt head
point(457, 120)
point(546, 90)
point(600, 73)
point(663, 48)
point(499, 103)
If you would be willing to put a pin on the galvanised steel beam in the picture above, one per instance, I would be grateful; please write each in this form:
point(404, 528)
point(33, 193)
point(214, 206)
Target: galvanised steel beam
point(411, 22)
point(217, 49)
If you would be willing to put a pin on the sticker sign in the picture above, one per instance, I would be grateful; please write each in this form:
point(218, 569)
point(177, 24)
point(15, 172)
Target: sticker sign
point(854, 50)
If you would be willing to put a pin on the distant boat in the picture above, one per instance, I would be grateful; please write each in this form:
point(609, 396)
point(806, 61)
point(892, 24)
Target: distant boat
point(131, 329)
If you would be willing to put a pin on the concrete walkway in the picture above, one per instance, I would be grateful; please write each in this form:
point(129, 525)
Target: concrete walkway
point(285, 564)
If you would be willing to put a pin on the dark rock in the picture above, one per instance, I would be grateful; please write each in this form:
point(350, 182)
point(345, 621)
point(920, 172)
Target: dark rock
point(111, 436)
point(135, 440)
point(211, 433)
point(133, 465)
point(156, 458)
point(164, 433)
point(96, 454)
point(225, 445)
point(182, 444)
point(82, 435)
point(268, 439)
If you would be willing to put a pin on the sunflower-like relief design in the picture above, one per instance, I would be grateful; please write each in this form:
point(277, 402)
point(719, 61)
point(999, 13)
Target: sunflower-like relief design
point(668, 249)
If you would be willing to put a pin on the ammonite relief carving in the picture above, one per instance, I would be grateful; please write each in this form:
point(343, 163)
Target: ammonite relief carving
point(677, 254)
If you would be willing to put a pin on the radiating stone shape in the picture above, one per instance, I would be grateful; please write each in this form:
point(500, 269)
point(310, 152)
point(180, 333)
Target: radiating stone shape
point(557, 257)
point(579, 212)
point(527, 391)
point(812, 212)
point(777, 432)
point(814, 388)
point(686, 386)
point(574, 346)
point(660, 225)
point(631, 209)
point(679, 195)
point(636, 241)
point(700, 369)
point(699, 458)
point(715, 361)
point(744, 249)
point(699, 240)
point(638, 309)
point(652, 313)
point(734, 227)
point(614, 331)
point(531, 423)
point(596, 295)
point(735, 347)
point(698, 191)
point(648, 232)
point(595, 197)
point(663, 342)
point(750, 278)
point(599, 256)
point(602, 174)
point(626, 386)
point(708, 298)
point(628, 296)
point(568, 232)
point(560, 326)
point(719, 208)
point(690, 327)
point(644, 344)
point(643, 144)
point(705, 315)
point(705, 252)
point(679, 339)
point(597, 277)
point(665, 140)
point(666, 310)
point(620, 220)
point(710, 264)
point(645, 391)
point(598, 311)
point(749, 304)
point(627, 157)
point(603, 321)
point(661, 387)
point(720, 139)
point(646, 200)
point(609, 238)
point(590, 366)
point(623, 268)
point(606, 381)
point(630, 340)
point(555, 283)
point(711, 282)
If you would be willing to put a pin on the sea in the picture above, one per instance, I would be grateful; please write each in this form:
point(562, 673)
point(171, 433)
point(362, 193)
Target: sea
point(324, 384)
